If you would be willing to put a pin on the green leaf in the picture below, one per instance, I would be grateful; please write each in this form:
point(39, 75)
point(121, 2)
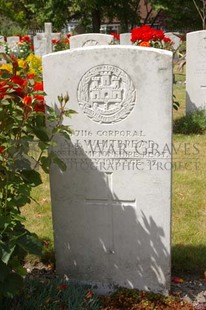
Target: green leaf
point(69, 112)
point(4, 271)
point(30, 243)
point(6, 252)
point(60, 163)
point(5, 102)
point(32, 177)
point(41, 133)
point(46, 162)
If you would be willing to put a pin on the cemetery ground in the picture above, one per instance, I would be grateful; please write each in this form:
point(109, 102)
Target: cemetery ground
point(43, 290)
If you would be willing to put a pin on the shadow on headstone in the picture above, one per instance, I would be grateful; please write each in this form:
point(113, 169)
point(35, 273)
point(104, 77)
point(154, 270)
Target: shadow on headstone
point(103, 240)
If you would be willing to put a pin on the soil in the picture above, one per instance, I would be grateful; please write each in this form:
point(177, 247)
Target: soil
point(191, 290)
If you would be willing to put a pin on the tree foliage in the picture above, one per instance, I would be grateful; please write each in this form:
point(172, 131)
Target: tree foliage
point(177, 14)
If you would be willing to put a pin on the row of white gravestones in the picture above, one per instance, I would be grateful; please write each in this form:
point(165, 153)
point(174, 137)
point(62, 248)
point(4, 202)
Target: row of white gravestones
point(112, 206)
point(42, 41)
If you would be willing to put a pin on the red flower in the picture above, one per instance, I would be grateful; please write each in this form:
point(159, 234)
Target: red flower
point(177, 280)
point(39, 106)
point(2, 148)
point(3, 89)
point(20, 84)
point(55, 41)
point(115, 35)
point(25, 39)
point(146, 33)
point(30, 76)
point(158, 35)
point(27, 100)
point(38, 86)
point(68, 35)
point(46, 242)
point(89, 294)
point(166, 39)
point(62, 287)
point(66, 41)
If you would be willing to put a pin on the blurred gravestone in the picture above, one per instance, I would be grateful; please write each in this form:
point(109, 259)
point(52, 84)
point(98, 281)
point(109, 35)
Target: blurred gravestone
point(125, 39)
point(195, 71)
point(90, 39)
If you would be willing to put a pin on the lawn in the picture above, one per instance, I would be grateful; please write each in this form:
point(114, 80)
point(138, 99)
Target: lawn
point(188, 201)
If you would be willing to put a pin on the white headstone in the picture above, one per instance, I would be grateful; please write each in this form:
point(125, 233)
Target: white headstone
point(39, 45)
point(2, 41)
point(43, 41)
point(125, 39)
point(90, 39)
point(112, 207)
point(174, 36)
point(195, 71)
point(12, 41)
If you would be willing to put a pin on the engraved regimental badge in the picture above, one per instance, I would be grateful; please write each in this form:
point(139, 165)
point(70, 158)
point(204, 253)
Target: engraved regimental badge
point(106, 94)
point(90, 43)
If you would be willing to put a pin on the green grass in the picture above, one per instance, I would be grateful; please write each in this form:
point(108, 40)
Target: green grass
point(188, 207)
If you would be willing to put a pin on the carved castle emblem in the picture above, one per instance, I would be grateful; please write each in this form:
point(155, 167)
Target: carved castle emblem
point(106, 94)
point(90, 43)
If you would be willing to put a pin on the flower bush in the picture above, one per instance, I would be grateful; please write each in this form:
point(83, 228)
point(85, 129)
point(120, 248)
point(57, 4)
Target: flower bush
point(62, 43)
point(23, 115)
point(22, 49)
point(149, 37)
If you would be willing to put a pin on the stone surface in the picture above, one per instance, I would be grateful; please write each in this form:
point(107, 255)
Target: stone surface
point(11, 41)
point(112, 207)
point(125, 39)
point(39, 44)
point(175, 38)
point(195, 71)
point(90, 39)
point(2, 41)
point(43, 41)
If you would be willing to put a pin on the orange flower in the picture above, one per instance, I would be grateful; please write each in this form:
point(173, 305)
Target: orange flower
point(27, 100)
point(145, 44)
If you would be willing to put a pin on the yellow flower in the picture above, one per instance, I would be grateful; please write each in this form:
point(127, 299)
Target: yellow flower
point(35, 64)
point(7, 67)
point(22, 63)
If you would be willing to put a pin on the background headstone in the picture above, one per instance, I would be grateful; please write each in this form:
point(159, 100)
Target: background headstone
point(176, 43)
point(125, 39)
point(175, 38)
point(90, 39)
point(112, 207)
point(12, 41)
point(43, 41)
point(196, 71)
point(39, 44)
point(2, 41)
